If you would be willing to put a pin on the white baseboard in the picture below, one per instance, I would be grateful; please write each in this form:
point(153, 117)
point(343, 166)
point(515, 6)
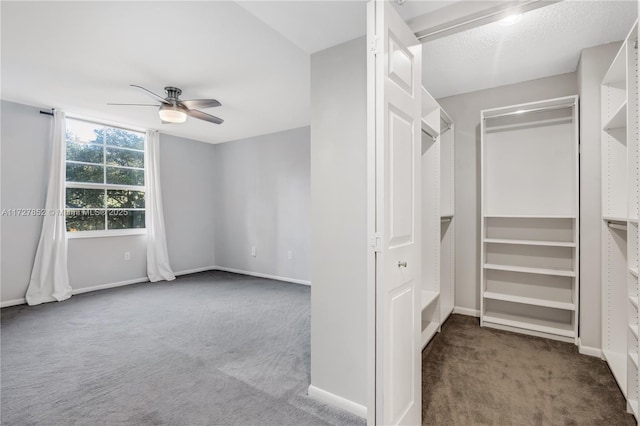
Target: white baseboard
point(337, 401)
point(75, 291)
point(466, 311)
point(587, 350)
point(261, 275)
point(195, 271)
point(108, 285)
point(13, 302)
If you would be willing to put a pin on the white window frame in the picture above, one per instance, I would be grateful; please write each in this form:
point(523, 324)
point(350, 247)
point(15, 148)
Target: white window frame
point(105, 186)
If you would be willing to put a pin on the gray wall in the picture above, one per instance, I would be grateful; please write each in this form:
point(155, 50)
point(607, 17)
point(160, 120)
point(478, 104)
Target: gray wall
point(217, 199)
point(593, 64)
point(339, 210)
point(465, 111)
point(186, 173)
point(262, 188)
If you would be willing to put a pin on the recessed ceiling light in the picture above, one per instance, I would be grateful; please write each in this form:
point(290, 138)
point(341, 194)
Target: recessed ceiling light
point(511, 19)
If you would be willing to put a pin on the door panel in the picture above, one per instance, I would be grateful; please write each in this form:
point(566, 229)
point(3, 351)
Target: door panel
point(397, 115)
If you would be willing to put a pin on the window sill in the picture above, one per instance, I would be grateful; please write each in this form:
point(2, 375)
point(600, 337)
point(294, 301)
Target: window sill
point(101, 234)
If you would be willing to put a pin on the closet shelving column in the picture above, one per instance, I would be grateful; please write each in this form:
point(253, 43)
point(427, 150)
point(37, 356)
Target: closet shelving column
point(619, 97)
point(447, 218)
point(430, 296)
point(529, 224)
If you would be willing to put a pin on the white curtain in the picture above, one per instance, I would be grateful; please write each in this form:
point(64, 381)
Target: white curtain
point(49, 277)
point(158, 267)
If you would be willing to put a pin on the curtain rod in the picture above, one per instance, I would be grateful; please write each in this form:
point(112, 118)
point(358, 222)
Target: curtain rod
point(46, 113)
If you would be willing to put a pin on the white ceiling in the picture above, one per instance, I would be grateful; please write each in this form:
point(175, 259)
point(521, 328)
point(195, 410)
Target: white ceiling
point(254, 56)
point(546, 42)
point(80, 55)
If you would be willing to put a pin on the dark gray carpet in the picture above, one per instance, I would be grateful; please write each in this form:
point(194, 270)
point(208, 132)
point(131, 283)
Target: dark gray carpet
point(481, 376)
point(207, 349)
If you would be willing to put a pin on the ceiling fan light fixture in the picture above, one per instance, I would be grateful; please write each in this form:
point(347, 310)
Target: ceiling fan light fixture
point(172, 114)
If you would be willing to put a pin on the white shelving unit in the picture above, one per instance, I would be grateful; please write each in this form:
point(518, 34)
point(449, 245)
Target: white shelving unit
point(620, 197)
point(437, 217)
point(529, 250)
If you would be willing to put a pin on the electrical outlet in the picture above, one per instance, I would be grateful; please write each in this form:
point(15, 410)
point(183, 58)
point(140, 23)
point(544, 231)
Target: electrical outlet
point(254, 251)
point(127, 255)
point(289, 255)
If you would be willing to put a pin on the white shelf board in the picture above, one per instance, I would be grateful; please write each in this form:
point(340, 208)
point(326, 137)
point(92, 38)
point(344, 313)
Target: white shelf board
point(618, 119)
point(530, 242)
point(634, 407)
point(530, 301)
point(618, 365)
point(634, 301)
point(527, 323)
point(527, 270)
point(634, 330)
point(634, 272)
point(525, 216)
point(428, 297)
point(621, 220)
point(633, 220)
point(428, 333)
point(446, 216)
point(429, 129)
point(634, 358)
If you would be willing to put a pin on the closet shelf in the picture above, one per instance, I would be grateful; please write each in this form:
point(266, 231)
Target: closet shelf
point(633, 220)
point(530, 242)
point(634, 272)
point(634, 330)
point(615, 219)
point(616, 74)
point(428, 297)
point(634, 301)
point(528, 323)
point(530, 301)
point(428, 332)
point(527, 270)
point(618, 365)
point(634, 358)
point(429, 130)
point(619, 118)
point(634, 407)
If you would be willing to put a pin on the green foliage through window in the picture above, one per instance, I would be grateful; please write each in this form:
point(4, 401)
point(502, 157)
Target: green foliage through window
point(105, 177)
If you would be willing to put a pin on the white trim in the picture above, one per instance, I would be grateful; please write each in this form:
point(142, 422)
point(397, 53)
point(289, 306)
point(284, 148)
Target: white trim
point(106, 233)
point(108, 285)
point(261, 275)
point(195, 270)
point(466, 311)
point(337, 401)
point(13, 302)
point(75, 291)
point(587, 350)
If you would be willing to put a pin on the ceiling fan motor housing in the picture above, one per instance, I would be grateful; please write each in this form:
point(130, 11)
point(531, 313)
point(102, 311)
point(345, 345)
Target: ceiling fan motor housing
point(172, 93)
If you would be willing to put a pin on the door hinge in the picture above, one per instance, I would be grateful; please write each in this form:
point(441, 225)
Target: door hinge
point(376, 243)
point(375, 46)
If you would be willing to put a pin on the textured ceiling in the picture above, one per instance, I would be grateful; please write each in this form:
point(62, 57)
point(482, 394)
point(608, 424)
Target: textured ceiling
point(546, 42)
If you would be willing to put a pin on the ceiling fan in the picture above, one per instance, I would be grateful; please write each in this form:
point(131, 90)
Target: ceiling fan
point(174, 110)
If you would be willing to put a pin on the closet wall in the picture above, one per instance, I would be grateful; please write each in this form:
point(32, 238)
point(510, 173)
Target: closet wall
point(464, 110)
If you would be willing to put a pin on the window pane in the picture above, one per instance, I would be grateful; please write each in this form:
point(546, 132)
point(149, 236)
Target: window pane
point(125, 199)
point(85, 220)
point(78, 198)
point(125, 176)
point(125, 219)
point(84, 152)
point(123, 157)
point(125, 138)
point(84, 173)
point(81, 131)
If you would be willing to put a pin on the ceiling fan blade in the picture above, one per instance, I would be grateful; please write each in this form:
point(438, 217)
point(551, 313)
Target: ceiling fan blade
point(200, 103)
point(153, 105)
point(153, 95)
point(204, 116)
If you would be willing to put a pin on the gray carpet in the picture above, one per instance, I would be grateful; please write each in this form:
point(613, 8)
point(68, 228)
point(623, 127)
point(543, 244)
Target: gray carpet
point(207, 349)
point(482, 376)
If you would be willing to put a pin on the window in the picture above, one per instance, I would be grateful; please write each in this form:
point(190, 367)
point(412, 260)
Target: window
point(105, 178)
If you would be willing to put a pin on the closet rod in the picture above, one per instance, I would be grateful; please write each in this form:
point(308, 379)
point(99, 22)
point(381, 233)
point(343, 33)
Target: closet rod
point(617, 226)
point(524, 111)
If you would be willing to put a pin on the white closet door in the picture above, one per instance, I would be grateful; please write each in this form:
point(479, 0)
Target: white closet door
point(397, 68)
